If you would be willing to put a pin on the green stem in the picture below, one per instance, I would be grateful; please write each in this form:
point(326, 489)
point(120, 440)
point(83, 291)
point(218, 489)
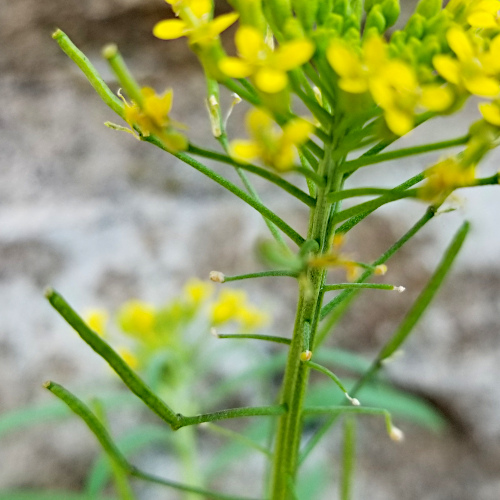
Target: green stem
point(348, 459)
point(296, 373)
point(222, 181)
point(129, 377)
point(251, 411)
point(364, 161)
point(262, 274)
point(357, 286)
point(268, 338)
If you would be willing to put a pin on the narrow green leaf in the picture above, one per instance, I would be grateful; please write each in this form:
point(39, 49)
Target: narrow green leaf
point(348, 459)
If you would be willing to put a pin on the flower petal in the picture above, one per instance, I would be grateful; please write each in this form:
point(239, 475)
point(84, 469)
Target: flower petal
point(482, 86)
point(271, 80)
point(398, 121)
point(244, 151)
point(170, 29)
point(460, 44)
point(436, 98)
point(447, 67)
point(235, 68)
point(249, 43)
point(293, 54)
point(490, 112)
point(220, 23)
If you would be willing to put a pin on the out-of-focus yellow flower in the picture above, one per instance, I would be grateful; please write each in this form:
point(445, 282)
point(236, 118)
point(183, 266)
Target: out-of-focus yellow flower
point(152, 117)
point(491, 112)
point(473, 68)
point(227, 306)
point(129, 357)
point(274, 147)
point(137, 318)
point(267, 67)
point(197, 290)
point(251, 317)
point(97, 320)
point(445, 177)
point(195, 22)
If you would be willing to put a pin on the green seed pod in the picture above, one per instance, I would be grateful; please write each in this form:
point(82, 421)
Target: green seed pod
point(306, 12)
point(391, 11)
point(325, 7)
point(334, 22)
point(429, 8)
point(415, 26)
point(376, 19)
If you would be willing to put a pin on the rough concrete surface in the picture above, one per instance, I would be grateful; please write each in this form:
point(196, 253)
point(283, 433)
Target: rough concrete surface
point(103, 218)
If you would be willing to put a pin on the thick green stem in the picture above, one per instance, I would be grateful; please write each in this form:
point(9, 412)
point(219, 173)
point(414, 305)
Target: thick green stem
point(296, 372)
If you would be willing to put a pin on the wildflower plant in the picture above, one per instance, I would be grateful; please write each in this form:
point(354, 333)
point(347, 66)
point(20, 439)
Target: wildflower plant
point(364, 85)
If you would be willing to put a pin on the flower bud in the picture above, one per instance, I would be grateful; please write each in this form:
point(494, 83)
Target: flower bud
point(293, 29)
point(429, 8)
point(375, 20)
point(391, 11)
point(415, 26)
point(335, 22)
point(380, 270)
point(396, 434)
point(305, 355)
point(325, 8)
point(217, 276)
point(341, 7)
point(280, 10)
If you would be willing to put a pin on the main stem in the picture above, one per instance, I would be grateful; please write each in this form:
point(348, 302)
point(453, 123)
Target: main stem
point(293, 389)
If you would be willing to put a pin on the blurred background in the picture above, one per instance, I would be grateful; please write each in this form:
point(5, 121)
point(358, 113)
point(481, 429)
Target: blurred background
point(104, 218)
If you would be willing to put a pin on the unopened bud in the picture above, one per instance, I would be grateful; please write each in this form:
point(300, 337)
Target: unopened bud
point(380, 270)
point(354, 401)
point(217, 276)
point(396, 434)
point(399, 289)
point(306, 355)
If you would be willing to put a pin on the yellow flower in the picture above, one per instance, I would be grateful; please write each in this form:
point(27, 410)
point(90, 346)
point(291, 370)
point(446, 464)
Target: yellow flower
point(97, 320)
point(473, 69)
point(227, 306)
point(195, 22)
point(483, 14)
point(268, 68)
point(491, 112)
point(197, 290)
point(445, 177)
point(152, 117)
point(391, 82)
point(251, 317)
point(137, 318)
point(276, 148)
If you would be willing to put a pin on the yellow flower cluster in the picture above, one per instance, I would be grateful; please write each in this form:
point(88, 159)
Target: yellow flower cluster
point(150, 329)
point(151, 116)
point(275, 147)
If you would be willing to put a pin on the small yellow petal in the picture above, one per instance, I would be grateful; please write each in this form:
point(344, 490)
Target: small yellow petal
point(293, 54)
point(482, 20)
point(490, 112)
point(343, 60)
point(235, 68)
point(354, 85)
point(436, 98)
point(447, 67)
point(460, 44)
point(271, 80)
point(249, 43)
point(285, 159)
point(221, 23)
point(482, 86)
point(199, 8)
point(297, 131)
point(170, 29)
point(244, 151)
point(398, 121)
